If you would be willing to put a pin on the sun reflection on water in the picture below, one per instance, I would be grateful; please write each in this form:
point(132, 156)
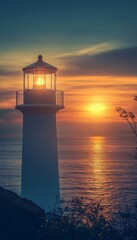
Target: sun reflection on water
point(97, 149)
point(98, 168)
point(97, 158)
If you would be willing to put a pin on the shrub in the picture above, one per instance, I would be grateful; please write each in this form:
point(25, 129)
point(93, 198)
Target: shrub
point(78, 219)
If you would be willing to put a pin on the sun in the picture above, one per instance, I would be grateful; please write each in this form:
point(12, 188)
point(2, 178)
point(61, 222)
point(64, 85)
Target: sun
point(97, 108)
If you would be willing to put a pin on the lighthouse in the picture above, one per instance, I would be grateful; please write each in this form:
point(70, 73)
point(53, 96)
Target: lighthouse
point(39, 101)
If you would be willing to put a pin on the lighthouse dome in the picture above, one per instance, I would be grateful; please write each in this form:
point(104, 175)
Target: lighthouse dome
point(40, 66)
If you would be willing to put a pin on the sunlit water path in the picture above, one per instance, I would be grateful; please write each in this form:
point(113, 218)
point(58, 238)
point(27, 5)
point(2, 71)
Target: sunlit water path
point(96, 167)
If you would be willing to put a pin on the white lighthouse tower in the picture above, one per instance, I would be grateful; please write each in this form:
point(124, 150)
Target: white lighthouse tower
point(39, 101)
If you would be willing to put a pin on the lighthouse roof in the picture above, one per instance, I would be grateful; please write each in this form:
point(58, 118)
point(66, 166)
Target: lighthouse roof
point(40, 67)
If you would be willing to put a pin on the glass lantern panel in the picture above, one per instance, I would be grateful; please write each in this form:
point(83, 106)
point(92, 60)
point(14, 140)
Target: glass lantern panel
point(53, 81)
point(28, 81)
point(48, 81)
point(40, 81)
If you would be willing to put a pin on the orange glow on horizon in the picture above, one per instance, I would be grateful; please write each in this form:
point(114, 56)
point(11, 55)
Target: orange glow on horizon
point(87, 98)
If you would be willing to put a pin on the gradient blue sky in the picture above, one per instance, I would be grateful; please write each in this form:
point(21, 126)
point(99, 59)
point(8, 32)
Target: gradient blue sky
point(93, 42)
point(61, 26)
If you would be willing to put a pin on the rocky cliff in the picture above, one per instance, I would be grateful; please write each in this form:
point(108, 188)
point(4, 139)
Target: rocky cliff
point(20, 219)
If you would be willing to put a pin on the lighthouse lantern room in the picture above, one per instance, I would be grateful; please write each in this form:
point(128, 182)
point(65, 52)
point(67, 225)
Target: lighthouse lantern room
point(39, 101)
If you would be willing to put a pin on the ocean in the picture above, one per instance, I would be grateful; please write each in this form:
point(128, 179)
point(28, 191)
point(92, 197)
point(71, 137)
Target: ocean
point(96, 167)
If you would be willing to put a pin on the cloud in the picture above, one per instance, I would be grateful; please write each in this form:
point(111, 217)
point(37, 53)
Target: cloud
point(92, 50)
point(118, 62)
point(6, 94)
point(7, 72)
point(7, 116)
point(10, 123)
point(105, 86)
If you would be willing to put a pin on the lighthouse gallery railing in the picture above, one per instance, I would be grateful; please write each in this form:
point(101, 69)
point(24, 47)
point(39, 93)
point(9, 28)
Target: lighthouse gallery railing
point(32, 96)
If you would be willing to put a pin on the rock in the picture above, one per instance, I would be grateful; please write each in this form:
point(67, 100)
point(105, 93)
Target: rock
point(20, 219)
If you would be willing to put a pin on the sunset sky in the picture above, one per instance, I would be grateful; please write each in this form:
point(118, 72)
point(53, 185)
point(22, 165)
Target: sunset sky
point(94, 45)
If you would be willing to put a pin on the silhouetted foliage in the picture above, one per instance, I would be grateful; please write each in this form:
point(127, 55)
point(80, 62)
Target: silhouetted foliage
point(78, 219)
point(125, 222)
point(130, 118)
